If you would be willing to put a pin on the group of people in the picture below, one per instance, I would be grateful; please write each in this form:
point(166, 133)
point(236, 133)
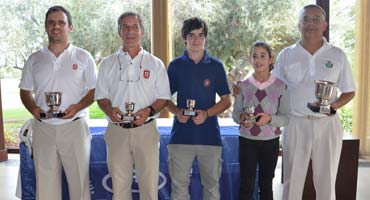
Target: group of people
point(132, 79)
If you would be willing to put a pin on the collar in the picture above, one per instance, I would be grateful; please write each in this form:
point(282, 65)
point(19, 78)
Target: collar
point(69, 48)
point(263, 85)
point(325, 44)
point(125, 53)
point(205, 60)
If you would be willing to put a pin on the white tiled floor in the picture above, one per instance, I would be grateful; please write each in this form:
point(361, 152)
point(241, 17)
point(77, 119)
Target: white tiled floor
point(8, 177)
point(9, 174)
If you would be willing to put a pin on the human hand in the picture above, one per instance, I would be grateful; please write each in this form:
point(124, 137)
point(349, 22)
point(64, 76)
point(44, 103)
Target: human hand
point(36, 111)
point(263, 119)
point(244, 120)
point(181, 117)
point(236, 89)
point(201, 117)
point(115, 114)
point(141, 116)
point(70, 111)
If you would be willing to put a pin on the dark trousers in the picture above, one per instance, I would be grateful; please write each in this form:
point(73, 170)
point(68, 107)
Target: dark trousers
point(262, 154)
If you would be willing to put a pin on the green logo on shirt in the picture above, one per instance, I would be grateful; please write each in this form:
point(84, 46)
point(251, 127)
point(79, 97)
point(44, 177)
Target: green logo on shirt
point(329, 64)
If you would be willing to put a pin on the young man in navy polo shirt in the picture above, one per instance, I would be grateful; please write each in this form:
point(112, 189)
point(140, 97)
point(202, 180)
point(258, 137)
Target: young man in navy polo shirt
point(196, 76)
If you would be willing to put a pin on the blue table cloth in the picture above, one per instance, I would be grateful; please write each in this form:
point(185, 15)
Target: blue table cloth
point(101, 184)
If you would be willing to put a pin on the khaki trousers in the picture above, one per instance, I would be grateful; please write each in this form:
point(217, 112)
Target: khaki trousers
point(129, 148)
point(180, 162)
point(66, 145)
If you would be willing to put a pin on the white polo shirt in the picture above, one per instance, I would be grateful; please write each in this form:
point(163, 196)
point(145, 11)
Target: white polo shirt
point(73, 73)
point(141, 80)
point(299, 69)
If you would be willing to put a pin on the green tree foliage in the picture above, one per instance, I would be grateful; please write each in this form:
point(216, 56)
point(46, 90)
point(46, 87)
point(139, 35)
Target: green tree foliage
point(234, 25)
point(95, 26)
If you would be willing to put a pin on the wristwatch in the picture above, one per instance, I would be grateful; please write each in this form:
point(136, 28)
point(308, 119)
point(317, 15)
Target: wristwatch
point(152, 111)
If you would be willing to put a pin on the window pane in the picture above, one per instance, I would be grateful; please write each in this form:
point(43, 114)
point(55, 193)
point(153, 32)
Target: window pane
point(234, 25)
point(342, 35)
point(22, 32)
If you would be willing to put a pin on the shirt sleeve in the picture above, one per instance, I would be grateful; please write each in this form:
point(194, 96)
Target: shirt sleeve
point(282, 117)
point(238, 106)
point(101, 90)
point(26, 82)
point(162, 86)
point(278, 67)
point(222, 86)
point(171, 78)
point(91, 72)
point(346, 81)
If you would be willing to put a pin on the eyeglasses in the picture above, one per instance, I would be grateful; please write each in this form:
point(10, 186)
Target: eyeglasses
point(130, 73)
point(134, 28)
point(314, 20)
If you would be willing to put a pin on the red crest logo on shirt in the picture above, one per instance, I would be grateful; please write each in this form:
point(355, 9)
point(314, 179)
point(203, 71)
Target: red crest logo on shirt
point(146, 74)
point(74, 66)
point(206, 83)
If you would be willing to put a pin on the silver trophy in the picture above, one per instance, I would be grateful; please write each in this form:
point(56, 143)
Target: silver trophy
point(323, 92)
point(251, 118)
point(190, 105)
point(53, 100)
point(128, 117)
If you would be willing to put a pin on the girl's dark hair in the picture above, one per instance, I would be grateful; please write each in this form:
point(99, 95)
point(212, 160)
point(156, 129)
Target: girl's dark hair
point(264, 45)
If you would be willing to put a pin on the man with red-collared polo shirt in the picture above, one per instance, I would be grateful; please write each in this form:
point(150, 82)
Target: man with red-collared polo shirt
point(132, 75)
point(60, 141)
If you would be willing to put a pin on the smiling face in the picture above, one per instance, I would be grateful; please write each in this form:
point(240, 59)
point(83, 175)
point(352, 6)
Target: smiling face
point(312, 24)
point(261, 59)
point(131, 33)
point(195, 40)
point(57, 27)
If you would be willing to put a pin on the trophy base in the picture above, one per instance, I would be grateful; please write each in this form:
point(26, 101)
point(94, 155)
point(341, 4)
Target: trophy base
point(129, 118)
point(52, 115)
point(190, 113)
point(321, 109)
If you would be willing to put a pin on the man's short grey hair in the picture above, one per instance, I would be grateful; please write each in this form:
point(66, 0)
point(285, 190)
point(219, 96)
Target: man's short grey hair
point(306, 7)
point(126, 14)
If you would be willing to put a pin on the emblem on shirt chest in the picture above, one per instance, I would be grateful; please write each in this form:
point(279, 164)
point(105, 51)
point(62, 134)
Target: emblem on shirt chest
point(74, 66)
point(329, 64)
point(146, 74)
point(206, 83)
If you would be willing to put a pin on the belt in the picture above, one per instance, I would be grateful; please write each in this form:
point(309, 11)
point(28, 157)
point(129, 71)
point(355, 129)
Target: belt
point(130, 125)
point(77, 118)
point(312, 117)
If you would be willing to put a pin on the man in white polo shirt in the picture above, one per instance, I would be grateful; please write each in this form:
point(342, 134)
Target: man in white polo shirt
point(311, 135)
point(60, 140)
point(132, 75)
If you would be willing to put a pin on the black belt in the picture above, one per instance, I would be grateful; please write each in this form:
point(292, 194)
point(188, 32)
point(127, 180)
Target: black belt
point(130, 125)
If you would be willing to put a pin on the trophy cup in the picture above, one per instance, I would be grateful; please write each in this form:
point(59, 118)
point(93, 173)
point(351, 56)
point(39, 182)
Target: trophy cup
point(129, 116)
point(190, 104)
point(251, 118)
point(53, 100)
point(323, 92)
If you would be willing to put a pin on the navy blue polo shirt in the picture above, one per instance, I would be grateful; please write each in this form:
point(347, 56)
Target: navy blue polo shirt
point(201, 82)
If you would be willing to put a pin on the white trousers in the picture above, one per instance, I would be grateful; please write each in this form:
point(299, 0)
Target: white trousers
point(127, 148)
point(180, 162)
point(66, 145)
point(318, 139)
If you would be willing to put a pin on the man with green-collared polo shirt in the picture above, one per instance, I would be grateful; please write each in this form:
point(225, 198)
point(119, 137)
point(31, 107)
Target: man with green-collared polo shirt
point(312, 135)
